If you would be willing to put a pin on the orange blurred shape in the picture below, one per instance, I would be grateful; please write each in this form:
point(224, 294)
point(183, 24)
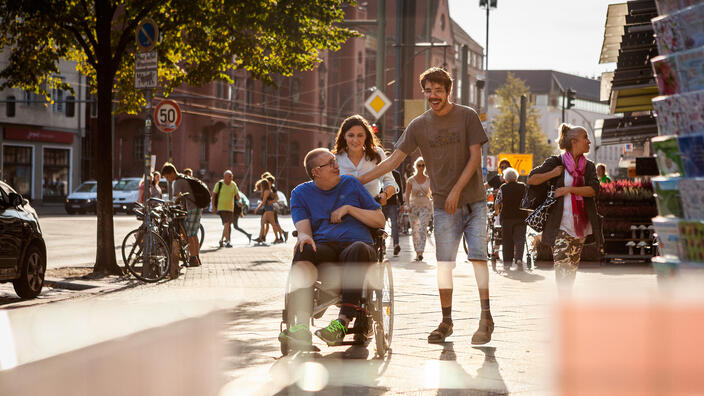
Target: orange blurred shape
point(631, 349)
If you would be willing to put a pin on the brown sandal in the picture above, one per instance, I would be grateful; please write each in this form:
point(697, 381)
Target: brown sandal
point(438, 335)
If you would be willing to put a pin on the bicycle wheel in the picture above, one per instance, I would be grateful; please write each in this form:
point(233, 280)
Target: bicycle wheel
point(384, 296)
point(156, 266)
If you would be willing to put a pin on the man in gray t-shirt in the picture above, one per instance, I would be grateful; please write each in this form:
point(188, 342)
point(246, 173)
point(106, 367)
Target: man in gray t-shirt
point(450, 137)
point(192, 222)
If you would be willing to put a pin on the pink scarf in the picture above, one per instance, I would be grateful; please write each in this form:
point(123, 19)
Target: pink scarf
point(579, 212)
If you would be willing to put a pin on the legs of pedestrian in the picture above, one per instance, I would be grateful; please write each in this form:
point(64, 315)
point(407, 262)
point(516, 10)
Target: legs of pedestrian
point(391, 212)
point(235, 223)
point(470, 221)
point(507, 243)
point(519, 242)
point(566, 254)
point(419, 226)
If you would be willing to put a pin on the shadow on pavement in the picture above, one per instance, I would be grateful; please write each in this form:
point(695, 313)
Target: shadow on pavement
point(418, 266)
point(523, 276)
point(452, 379)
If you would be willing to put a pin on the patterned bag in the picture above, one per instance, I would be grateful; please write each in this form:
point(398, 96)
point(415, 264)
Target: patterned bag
point(539, 217)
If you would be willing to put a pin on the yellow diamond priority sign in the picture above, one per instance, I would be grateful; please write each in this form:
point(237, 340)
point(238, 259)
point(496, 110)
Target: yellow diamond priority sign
point(377, 103)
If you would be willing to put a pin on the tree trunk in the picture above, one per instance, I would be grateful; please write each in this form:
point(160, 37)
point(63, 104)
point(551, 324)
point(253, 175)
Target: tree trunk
point(105, 262)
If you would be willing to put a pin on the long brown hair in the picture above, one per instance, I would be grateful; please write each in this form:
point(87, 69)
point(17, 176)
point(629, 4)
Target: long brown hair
point(371, 141)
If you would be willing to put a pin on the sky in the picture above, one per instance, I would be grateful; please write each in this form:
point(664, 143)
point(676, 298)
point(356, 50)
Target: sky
point(561, 35)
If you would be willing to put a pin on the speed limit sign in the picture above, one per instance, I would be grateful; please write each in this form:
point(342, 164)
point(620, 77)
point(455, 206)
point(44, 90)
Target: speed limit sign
point(167, 116)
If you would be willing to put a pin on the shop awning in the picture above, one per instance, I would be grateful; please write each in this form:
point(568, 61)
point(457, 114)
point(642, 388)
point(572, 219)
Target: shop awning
point(613, 31)
point(628, 129)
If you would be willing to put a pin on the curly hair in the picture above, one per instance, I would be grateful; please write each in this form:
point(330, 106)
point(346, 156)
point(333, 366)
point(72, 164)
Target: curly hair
point(371, 141)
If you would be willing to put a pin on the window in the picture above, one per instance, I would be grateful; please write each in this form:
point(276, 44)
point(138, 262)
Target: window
point(262, 152)
point(294, 154)
point(248, 149)
point(57, 95)
point(249, 92)
point(55, 180)
point(138, 149)
point(295, 90)
point(541, 100)
point(204, 152)
point(17, 168)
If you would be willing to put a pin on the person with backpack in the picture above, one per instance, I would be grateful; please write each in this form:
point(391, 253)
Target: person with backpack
point(226, 199)
point(572, 220)
point(198, 198)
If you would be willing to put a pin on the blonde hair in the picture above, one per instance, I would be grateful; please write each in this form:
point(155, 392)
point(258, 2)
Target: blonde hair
point(415, 166)
point(568, 133)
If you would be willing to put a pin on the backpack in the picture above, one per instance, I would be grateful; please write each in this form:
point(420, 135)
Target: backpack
point(535, 195)
point(201, 194)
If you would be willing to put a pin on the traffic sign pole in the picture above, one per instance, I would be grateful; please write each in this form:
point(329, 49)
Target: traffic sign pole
point(146, 78)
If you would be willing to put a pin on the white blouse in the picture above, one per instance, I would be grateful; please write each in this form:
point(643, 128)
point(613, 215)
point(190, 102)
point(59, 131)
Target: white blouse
point(567, 223)
point(347, 167)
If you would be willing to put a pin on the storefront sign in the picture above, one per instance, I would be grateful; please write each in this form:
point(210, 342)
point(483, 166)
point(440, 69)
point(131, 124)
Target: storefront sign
point(38, 135)
point(522, 163)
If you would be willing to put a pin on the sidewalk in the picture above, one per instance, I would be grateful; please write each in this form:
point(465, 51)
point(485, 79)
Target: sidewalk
point(248, 283)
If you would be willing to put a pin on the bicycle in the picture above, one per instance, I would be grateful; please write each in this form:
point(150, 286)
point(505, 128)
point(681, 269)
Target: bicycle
point(138, 241)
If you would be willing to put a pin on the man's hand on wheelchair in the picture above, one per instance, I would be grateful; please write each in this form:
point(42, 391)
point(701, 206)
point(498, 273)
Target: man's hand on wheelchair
point(337, 214)
point(304, 239)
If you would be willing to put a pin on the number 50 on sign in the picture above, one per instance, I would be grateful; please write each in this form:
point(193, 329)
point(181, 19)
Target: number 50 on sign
point(167, 116)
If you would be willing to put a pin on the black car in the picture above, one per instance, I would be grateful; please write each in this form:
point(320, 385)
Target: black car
point(22, 248)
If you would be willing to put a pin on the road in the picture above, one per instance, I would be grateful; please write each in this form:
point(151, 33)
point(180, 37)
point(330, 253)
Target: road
point(71, 239)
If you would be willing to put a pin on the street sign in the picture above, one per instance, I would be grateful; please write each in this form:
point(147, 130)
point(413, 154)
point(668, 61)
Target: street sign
point(146, 74)
point(146, 79)
point(147, 34)
point(146, 60)
point(482, 116)
point(522, 163)
point(377, 103)
point(167, 116)
point(491, 163)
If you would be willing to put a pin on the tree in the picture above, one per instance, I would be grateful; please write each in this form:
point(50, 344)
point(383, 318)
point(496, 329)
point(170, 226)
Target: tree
point(200, 41)
point(505, 137)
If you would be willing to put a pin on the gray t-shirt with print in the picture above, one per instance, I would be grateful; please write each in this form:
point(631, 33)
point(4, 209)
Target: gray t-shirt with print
point(444, 144)
point(181, 186)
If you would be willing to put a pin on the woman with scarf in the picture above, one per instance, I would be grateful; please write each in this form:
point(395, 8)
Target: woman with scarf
point(573, 219)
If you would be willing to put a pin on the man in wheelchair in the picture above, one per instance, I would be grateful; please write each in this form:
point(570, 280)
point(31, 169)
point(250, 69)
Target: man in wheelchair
point(332, 215)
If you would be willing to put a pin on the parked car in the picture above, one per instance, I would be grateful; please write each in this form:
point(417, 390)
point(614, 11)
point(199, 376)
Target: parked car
point(22, 247)
point(82, 199)
point(125, 194)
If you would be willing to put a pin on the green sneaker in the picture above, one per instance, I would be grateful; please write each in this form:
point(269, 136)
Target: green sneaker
point(333, 334)
point(297, 337)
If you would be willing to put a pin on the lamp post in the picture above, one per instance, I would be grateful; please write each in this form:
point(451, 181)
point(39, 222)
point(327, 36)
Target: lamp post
point(489, 4)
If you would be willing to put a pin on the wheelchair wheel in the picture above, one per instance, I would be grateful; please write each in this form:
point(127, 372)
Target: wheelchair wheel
point(384, 310)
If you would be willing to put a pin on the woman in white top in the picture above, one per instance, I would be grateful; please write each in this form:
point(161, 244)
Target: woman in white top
point(358, 151)
point(419, 200)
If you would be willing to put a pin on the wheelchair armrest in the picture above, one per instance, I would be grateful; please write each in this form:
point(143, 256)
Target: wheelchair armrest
point(376, 233)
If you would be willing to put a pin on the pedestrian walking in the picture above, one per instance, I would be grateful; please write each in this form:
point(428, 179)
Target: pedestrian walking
point(266, 208)
point(281, 235)
point(154, 189)
point(450, 138)
point(392, 210)
point(512, 219)
point(188, 172)
point(498, 179)
point(572, 219)
point(226, 198)
point(420, 206)
point(601, 173)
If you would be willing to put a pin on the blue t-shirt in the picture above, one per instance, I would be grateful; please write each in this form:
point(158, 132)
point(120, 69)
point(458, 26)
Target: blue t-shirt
point(310, 202)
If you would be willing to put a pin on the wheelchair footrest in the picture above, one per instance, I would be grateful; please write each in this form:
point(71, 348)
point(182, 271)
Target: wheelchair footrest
point(348, 343)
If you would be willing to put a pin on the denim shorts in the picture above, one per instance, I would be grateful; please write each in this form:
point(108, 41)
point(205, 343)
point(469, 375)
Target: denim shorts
point(449, 230)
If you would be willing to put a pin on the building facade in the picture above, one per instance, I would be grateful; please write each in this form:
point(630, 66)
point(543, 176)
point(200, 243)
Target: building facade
point(42, 141)
point(547, 87)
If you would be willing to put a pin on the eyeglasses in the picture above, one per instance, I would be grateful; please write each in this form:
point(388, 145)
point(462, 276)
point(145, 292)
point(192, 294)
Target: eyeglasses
point(421, 165)
point(332, 163)
point(437, 91)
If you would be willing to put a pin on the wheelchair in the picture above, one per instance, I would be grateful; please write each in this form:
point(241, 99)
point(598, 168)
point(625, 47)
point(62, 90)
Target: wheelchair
point(375, 314)
point(494, 235)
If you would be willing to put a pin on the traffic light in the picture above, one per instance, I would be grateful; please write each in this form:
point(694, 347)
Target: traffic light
point(70, 106)
point(377, 129)
point(570, 98)
point(10, 106)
